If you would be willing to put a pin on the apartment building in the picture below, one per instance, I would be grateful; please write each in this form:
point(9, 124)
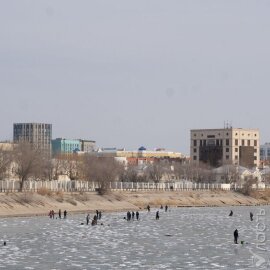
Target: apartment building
point(216, 147)
point(38, 134)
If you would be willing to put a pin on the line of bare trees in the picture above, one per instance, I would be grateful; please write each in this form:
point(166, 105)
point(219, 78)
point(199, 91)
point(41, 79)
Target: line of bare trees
point(26, 162)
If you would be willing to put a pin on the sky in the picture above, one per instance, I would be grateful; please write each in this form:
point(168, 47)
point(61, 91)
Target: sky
point(135, 73)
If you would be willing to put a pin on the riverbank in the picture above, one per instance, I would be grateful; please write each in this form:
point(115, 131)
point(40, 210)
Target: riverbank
point(31, 204)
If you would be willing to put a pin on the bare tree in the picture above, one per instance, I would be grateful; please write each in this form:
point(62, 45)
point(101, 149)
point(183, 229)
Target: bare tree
point(5, 162)
point(130, 174)
point(156, 171)
point(101, 170)
point(28, 162)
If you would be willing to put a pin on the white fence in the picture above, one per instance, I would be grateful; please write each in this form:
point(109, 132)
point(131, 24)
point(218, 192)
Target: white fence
point(85, 186)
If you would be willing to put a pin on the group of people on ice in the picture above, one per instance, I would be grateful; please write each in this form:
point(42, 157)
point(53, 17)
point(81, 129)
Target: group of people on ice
point(52, 214)
point(235, 233)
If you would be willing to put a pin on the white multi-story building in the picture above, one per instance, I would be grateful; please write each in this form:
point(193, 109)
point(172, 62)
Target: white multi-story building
point(225, 146)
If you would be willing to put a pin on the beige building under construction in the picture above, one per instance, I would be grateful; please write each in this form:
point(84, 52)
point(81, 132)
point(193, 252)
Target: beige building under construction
point(217, 147)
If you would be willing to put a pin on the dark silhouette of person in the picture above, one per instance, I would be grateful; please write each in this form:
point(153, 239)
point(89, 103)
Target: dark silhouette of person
point(5, 243)
point(87, 219)
point(251, 216)
point(52, 214)
point(65, 214)
point(161, 207)
point(235, 234)
point(128, 216)
point(148, 208)
point(166, 208)
point(99, 215)
point(59, 214)
point(133, 215)
point(231, 213)
point(137, 215)
point(157, 215)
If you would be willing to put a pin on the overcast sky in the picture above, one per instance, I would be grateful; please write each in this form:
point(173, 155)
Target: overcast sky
point(131, 73)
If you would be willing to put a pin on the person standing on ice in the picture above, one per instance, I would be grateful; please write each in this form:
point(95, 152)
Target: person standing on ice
point(251, 216)
point(235, 234)
point(87, 219)
point(157, 215)
point(148, 208)
point(59, 214)
point(137, 215)
point(231, 213)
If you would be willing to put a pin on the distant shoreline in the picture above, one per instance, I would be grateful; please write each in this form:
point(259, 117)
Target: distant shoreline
point(32, 204)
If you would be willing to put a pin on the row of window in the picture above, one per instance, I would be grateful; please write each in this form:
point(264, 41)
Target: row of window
point(227, 134)
point(227, 142)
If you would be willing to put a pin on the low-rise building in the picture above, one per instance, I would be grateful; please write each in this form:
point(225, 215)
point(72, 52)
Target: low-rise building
point(61, 146)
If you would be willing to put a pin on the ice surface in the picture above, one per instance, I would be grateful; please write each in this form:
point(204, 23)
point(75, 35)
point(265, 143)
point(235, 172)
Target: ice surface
point(183, 238)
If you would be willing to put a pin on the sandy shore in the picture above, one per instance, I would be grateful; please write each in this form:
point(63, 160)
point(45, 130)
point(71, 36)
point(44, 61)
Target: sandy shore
point(31, 204)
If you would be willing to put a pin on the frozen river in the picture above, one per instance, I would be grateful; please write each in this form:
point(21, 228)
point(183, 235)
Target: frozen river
point(183, 238)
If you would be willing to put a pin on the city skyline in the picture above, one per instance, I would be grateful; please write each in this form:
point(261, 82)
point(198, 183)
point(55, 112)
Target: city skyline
point(128, 75)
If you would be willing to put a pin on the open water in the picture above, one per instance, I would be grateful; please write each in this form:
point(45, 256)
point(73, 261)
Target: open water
point(183, 238)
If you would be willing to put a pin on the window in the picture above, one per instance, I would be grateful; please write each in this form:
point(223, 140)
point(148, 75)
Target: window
point(227, 150)
point(255, 158)
point(248, 142)
point(227, 157)
point(194, 142)
point(195, 150)
point(195, 135)
point(236, 149)
point(236, 142)
point(194, 157)
point(255, 142)
point(227, 142)
point(243, 142)
point(236, 157)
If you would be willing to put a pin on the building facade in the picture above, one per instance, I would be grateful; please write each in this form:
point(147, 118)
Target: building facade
point(61, 146)
point(38, 134)
point(217, 147)
point(87, 146)
point(265, 153)
point(140, 156)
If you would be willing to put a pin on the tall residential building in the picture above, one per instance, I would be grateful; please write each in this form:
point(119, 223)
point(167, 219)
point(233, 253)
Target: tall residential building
point(225, 146)
point(38, 134)
point(61, 146)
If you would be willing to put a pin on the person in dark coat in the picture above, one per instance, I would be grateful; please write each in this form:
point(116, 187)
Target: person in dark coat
point(166, 208)
point(231, 213)
point(59, 214)
point(87, 219)
point(251, 216)
point(65, 214)
point(235, 234)
point(157, 215)
point(148, 208)
point(137, 215)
